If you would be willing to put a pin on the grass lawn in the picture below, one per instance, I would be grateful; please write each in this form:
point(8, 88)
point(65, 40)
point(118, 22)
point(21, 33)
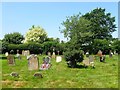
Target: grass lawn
point(105, 75)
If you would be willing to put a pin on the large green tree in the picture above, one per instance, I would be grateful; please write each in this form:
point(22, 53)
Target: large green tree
point(102, 23)
point(77, 30)
point(35, 34)
point(13, 38)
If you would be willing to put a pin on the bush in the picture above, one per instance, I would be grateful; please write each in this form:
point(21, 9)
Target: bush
point(73, 56)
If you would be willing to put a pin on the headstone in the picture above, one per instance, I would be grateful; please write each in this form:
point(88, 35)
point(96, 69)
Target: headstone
point(26, 52)
point(23, 52)
point(91, 59)
point(11, 59)
point(100, 53)
point(46, 63)
point(46, 60)
point(18, 55)
point(33, 62)
point(87, 54)
point(49, 54)
point(110, 53)
point(58, 59)
point(6, 54)
point(53, 55)
point(14, 74)
point(86, 62)
point(38, 75)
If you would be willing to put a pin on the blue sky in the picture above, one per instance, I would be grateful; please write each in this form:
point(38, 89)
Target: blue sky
point(20, 16)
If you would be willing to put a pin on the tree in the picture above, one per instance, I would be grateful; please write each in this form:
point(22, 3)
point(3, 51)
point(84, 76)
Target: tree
point(77, 30)
point(35, 34)
point(13, 38)
point(102, 23)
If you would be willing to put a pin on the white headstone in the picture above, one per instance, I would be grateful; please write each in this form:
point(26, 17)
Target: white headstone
point(58, 59)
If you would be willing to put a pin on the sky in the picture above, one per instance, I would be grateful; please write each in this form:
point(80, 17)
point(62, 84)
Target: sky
point(20, 16)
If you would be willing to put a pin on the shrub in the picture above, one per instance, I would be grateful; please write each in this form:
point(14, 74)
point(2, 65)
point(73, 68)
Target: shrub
point(73, 56)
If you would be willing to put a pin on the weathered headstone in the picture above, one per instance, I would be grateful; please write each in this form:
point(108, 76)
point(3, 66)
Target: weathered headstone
point(46, 60)
point(87, 54)
point(11, 59)
point(23, 52)
point(99, 53)
point(38, 75)
point(53, 55)
point(14, 74)
point(6, 54)
point(58, 59)
point(49, 54)
point(26, 52)
point(33, 62)
point(91, 59)
point(18, 55)
point(110, 53)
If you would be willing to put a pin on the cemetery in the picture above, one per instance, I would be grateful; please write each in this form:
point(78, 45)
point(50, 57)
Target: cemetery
point(88, 59)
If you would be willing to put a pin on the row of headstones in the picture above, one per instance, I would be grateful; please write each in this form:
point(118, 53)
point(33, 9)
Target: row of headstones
point(100, 53)
point(33, 61)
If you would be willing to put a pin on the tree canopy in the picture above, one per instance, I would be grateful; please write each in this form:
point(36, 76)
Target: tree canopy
point(13, 38)
point(35, 34)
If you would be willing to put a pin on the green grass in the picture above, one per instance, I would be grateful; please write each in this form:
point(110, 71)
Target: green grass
point(105, 75)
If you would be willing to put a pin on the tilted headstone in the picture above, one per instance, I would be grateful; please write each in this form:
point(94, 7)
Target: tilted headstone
point(58, 59)
point(11, 59)
point(33, 62)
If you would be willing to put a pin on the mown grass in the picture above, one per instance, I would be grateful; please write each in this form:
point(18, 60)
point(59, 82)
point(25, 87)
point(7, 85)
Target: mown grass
point(105, 75)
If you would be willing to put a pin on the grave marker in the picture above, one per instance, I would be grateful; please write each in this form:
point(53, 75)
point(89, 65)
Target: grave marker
point(11, 59)
point(33, 62)
point(58, 59)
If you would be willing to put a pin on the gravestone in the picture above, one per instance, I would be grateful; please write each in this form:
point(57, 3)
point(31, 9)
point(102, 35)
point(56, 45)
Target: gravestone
point(99, 53)
point(49, 54)
point(14, 74)
point(6, 54)
point(23, 52)
point(26, 52)
point(18, 55)
point(33, 62)
point(38, 75)
point(46, 60)
point(91, 59)
point(53, 55)
point(11, 59)
point(87, 54)
point(110, 53)
point(46, 64)
point(58, 59)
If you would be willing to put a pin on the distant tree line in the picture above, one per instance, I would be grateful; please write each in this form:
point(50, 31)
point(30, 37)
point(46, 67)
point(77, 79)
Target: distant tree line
point(90, 32)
